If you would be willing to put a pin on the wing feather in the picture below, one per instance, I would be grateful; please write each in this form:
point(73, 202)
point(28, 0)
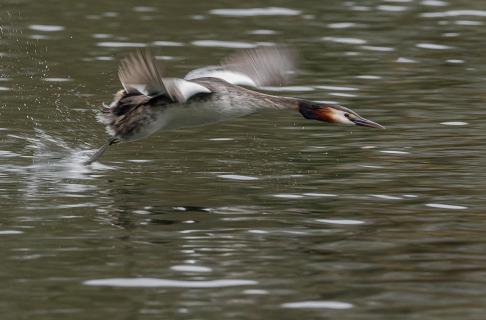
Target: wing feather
point(139, 72)
point(263, 66)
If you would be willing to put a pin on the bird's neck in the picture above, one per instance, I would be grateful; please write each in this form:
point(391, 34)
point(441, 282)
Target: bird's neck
point(271, 102)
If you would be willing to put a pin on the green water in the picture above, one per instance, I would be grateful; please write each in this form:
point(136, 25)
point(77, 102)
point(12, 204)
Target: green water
point(268, 216)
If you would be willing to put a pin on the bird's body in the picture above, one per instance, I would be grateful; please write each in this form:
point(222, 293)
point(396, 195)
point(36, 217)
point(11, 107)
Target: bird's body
point(135, 117)
point(149, 103)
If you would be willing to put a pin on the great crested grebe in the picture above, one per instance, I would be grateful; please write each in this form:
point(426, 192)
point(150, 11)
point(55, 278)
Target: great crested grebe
point(150, 102)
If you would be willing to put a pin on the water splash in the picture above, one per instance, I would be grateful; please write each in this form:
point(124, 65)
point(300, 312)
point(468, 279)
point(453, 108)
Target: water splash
point(56, 167)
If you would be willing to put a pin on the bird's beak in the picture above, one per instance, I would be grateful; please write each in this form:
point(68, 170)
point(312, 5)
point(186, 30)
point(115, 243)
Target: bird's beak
point(344, 115)
point(360, 121)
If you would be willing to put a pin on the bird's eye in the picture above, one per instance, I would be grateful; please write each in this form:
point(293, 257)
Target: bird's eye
point(347, 115)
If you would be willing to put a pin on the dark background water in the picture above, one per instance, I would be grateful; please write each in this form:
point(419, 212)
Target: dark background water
point(267, 216)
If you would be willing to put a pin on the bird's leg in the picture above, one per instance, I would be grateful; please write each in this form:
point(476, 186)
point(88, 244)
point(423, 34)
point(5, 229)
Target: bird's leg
point(100, 151)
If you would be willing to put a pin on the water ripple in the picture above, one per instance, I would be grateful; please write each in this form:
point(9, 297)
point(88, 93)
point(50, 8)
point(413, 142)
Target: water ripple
point(368, 77)
point(167, 44)
point(468, 23)
point(8, 154)
point(8, 232)
point(390, 8)
point(45, 27)
point(288, 89)
point(394, 152)
point(221, 139)
point(223, 44)
point(376, 48)
point(114, 44)
point(455, 13)
point(102, 36)
point(237, 177)
point(264, 32)
point(190, 268)
point(455, 61)
point(255, 291)
point(251, 12)
point(434, 3)
point(288, 196)
point(144, 9)
point(337, 88)
point(56, 79)
point(317, 305)
point(314, 194)
point(405, 60)
point(386, 197)
point(445, 206)
point(340, 221)
point(455, 123)
point(433, 46)
point(166, 283)
point(344, 40)
point(342, 25)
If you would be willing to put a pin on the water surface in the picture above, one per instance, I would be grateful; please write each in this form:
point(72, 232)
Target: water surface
point(267, 216)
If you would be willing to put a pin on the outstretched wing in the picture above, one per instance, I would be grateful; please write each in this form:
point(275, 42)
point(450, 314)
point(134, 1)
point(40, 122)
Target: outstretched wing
point(139, 72)
point(257, 67)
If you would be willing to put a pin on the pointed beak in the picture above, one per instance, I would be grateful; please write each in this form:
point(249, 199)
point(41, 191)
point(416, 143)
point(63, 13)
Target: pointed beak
point(359, 121)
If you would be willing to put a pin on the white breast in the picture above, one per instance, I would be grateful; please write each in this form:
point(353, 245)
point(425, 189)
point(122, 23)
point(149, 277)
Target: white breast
point(201, 113)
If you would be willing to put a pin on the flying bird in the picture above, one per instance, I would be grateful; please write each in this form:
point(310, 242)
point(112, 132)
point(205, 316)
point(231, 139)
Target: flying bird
point(150, 102)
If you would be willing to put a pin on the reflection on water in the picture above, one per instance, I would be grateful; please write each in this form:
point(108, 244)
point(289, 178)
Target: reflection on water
point(265, 216)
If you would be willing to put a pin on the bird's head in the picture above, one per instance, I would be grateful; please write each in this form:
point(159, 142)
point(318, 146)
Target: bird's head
point(334, 114)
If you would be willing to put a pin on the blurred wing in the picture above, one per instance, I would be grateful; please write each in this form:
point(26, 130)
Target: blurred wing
point(262, 66)
point(141, 73)
point(220, 72)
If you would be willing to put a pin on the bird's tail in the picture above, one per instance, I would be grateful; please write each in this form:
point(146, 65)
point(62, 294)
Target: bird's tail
point(100, 151)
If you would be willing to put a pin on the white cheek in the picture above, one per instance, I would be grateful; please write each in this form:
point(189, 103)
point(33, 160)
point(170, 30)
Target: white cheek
point(343, 119)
